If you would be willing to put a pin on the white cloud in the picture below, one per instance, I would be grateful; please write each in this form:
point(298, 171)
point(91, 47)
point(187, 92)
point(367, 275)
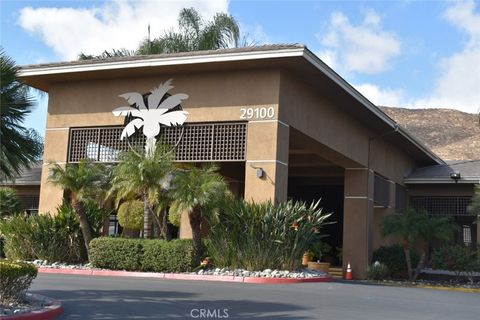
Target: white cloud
point(364, 48)
point(254, 34)
point(115, 24)
point(458, 85)
point(382, 97)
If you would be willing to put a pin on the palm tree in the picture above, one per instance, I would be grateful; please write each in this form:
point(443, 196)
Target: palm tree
point(144, 175)
point(19, 147)
point(198, 191)
point(82, 181)
point(195, 34)
point(158, 111)
point(115, 53)
point(413, 226)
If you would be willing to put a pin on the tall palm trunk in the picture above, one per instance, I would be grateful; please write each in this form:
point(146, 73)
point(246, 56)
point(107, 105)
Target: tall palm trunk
point(161, 222)
point(147, 219)
point(421, 262)
point(409, 262)
point(83, 220)
point(195, 218)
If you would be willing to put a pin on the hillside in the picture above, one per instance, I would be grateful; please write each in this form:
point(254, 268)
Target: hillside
point(451, 134)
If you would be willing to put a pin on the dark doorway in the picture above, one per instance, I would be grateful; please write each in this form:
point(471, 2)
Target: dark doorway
point(331, 200)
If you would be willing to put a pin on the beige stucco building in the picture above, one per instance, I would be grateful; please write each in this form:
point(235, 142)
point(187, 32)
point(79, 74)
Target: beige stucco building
point(276, 110)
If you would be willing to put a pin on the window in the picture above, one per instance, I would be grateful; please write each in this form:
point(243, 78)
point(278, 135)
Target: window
point(467, 235)
point(381, 191)
point(400, 198)
point(447, 206)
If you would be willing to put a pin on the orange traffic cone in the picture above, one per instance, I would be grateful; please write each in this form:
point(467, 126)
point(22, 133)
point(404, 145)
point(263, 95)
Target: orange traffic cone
point(348, 274)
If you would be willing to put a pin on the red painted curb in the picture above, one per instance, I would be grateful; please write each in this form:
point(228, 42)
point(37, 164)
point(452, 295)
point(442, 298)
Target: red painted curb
point(183, 276)
point(52, 311)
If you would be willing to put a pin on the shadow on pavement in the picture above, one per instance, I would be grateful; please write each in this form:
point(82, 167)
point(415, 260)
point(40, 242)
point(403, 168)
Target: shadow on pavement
point(135, 304)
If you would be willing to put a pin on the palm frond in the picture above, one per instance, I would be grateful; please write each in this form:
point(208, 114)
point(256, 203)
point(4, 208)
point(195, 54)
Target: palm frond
point(134, 98)
point(19, 146)
point(130, 128)
point(156, 94)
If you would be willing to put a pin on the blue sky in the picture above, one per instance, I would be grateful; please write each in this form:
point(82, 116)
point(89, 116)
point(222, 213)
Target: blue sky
point(415, 54)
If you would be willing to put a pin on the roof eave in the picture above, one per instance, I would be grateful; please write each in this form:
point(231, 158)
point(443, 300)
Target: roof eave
point(30, 71)
point(226, 57)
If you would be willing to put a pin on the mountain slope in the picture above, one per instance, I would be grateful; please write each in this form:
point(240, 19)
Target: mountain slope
point(451, 134)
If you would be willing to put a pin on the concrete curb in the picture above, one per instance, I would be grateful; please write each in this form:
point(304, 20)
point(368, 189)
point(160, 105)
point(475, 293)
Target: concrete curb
point(419, 286)
point(48, 313)
point(469, 290)
point(182, 276)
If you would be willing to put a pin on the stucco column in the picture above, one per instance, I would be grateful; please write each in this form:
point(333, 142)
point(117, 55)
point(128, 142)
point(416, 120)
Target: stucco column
point(358, 219)
point(55, 151)
point(267, 150)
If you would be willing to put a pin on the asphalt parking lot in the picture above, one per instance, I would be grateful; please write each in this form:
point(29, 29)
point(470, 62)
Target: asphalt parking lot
point(89, 297)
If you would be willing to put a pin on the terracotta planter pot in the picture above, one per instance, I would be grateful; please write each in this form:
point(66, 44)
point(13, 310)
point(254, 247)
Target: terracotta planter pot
point(320, 266)
point(306, 259)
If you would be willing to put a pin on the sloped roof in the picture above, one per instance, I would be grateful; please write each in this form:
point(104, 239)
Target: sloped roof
point(112, 60)
point(28, 177)
point(296, 56)
point(469, 173)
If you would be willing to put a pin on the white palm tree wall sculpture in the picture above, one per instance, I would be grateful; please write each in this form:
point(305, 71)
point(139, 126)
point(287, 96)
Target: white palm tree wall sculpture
point(152, 116)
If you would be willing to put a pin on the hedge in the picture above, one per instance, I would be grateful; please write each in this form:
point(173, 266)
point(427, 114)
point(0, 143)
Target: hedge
point(142, 255)
point(163, 256)
point(116, 253)
point(15, 279)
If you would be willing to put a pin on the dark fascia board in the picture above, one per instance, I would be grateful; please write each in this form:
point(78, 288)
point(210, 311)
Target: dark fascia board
point(463, 180)
point(229, 56)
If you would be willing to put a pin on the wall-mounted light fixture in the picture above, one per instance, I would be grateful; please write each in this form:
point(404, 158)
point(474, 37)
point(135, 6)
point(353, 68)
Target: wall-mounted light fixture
point(259, 171)
point(455, 176)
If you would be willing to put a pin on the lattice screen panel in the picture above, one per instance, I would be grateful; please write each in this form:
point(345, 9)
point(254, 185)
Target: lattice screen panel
point(193, 142)
point(448, 206)
point(234, 137)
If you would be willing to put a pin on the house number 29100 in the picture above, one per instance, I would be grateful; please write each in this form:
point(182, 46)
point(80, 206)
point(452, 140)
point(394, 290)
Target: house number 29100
point(257, 113)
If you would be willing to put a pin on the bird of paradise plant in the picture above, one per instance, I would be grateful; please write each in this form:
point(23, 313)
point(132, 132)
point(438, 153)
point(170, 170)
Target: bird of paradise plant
point(158, 111)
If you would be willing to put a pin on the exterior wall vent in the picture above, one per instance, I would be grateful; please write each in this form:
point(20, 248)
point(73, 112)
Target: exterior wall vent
point(204, 142)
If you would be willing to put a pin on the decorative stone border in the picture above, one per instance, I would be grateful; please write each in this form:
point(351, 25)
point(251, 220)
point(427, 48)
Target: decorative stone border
point(47, 313)
point(183, 276)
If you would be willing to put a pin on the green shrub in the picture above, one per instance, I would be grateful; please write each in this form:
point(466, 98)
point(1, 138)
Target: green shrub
point(130, 215)
point(259, 236)
point(456, 258)
point(139, 254)
point(377, 271)
point(52, 238)
point(172, 256)
point(15, 279)
point(116, 253)
point(394, 258)
point(175, 217)
point(95, 215)
point(9, 202)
